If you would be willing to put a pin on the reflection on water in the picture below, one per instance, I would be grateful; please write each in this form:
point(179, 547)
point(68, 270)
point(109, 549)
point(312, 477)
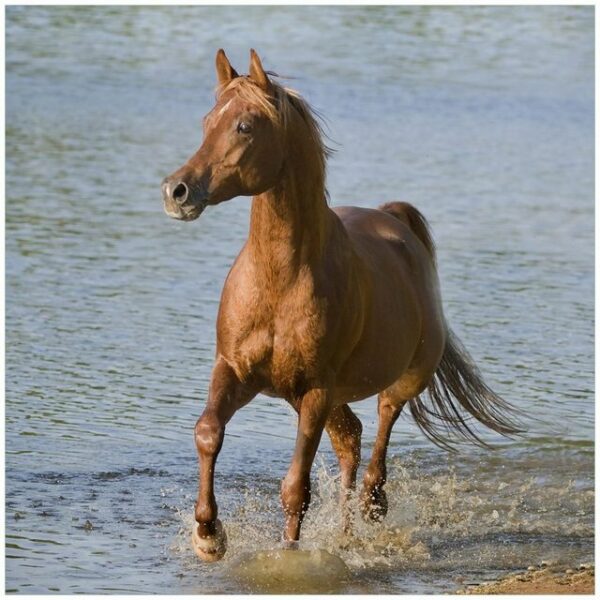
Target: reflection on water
point(481, 116)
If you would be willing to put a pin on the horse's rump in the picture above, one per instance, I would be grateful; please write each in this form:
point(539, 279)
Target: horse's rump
point(408, 214)
point(456, 387)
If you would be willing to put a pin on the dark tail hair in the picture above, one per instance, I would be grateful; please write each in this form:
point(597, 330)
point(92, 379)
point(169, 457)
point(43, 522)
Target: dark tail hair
point(458, 383)
point(457, 386)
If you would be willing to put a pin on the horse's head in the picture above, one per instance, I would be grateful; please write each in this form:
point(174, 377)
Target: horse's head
point(242, 151)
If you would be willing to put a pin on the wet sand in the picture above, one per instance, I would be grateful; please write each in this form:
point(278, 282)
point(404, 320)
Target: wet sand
point(540, 580)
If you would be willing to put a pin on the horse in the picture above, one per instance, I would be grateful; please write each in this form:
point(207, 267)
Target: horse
point(322, 307)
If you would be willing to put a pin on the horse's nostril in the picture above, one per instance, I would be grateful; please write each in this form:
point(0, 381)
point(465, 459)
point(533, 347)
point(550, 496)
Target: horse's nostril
point(180, 192)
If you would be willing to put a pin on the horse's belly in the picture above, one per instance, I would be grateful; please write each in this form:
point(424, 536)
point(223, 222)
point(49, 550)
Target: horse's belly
point(368, 373)
point(390, 340)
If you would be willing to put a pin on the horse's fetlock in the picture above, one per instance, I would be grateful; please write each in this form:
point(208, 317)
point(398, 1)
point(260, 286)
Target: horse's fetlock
point(205, 512)
point(374, 479)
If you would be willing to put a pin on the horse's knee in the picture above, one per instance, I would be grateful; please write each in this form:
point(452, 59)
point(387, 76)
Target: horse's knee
point(208, 433)
point(295, 494)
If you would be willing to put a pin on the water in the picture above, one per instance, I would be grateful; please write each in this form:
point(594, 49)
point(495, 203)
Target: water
point(482, 117)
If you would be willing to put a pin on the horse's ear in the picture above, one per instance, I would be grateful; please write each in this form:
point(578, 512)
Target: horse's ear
point(225, 72)
point(257, 73)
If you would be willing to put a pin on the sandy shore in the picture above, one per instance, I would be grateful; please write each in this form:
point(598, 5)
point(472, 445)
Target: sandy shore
point(540, 580)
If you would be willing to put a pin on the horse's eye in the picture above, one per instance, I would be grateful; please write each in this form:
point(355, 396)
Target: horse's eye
point(243, 127)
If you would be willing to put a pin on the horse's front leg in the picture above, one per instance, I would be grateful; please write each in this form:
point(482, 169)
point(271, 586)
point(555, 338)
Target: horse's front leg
point(226, 395)
point(313, 410)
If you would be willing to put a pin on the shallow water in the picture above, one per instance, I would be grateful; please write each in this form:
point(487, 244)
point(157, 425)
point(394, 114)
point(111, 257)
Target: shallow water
point(482, 117)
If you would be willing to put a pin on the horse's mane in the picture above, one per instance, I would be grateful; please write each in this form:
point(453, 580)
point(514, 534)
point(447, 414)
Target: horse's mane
point(278, 106)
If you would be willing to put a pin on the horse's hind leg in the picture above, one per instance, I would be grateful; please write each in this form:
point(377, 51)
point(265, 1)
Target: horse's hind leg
point(344, 429)
point(373, 497)
point(313, 411)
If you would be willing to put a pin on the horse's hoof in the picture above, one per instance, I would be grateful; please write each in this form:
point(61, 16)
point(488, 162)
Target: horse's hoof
point(375, 513)
point(347, 540)
point(375, 506)
point(210, 548)
point(290, 544)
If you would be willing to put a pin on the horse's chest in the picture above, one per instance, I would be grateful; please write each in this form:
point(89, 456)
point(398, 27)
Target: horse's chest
point(286, 345)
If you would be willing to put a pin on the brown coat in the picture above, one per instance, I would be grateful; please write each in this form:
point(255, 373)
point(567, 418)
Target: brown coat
point(322, 306)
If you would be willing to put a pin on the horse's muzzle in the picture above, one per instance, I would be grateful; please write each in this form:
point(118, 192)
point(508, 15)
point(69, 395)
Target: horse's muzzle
point(181, 202)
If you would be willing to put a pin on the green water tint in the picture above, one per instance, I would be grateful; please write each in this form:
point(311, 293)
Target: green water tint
point(292, 572)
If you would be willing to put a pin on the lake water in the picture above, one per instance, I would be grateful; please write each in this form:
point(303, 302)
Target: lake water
point(482, 117)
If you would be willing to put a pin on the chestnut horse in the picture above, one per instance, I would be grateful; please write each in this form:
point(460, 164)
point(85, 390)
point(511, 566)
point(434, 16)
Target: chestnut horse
point(322, 306)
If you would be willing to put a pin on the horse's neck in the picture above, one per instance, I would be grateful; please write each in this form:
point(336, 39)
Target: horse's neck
point(289, 227)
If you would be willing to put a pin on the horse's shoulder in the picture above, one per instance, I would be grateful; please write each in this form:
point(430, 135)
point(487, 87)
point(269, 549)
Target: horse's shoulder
point(242, 294)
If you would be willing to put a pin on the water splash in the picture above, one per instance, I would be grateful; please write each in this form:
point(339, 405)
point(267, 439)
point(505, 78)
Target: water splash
point(470, 516)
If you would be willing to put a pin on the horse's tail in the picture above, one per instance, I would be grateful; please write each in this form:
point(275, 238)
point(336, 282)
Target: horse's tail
point(457, 386)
